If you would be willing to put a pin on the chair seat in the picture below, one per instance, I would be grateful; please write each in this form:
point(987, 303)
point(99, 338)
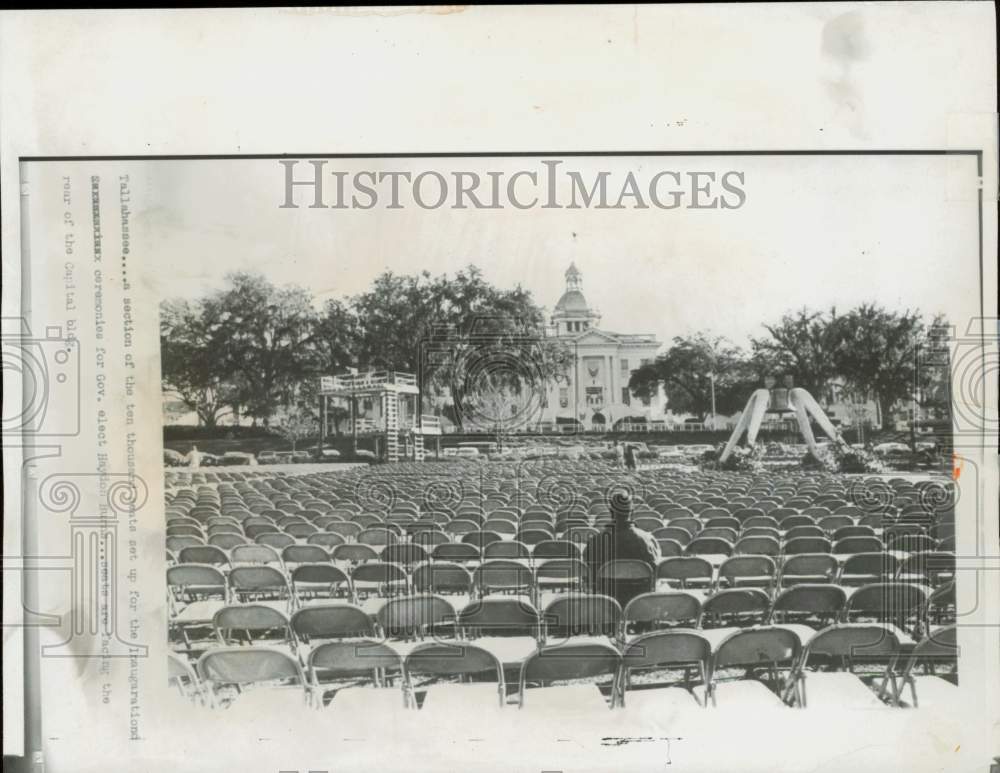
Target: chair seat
point(839, 690)
point(199, 612)
point(459, 700)
point(509, 650)
point(655, 702)
point(267, 703)
point(359, 701)
point(568, 699)
point(746, 695)
point(932, 692)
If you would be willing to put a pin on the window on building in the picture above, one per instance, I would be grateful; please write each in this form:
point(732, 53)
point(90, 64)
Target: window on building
point(563, 397)
point(626, 396)
point(624, 367)
point(644, 362)
point(366, 404)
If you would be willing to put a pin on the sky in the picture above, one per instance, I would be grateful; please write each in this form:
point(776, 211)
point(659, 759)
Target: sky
point(814, 231)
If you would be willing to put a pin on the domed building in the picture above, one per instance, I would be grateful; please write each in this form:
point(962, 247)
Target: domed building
point(595, 389)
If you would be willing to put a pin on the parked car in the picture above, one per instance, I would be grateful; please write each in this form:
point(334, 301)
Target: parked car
point(172, 458)
point(237, 458)
point(267, 457)
point(301, 457)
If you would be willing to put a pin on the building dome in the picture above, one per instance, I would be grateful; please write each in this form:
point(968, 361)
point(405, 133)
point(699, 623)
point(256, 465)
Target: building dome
point(572, 301)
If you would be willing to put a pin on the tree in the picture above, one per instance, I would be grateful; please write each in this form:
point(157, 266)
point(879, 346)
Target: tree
point(802, 344)
point(270, 333)
point(194, 360)
point(686, 371)
point(449, 329)
point(876, 354)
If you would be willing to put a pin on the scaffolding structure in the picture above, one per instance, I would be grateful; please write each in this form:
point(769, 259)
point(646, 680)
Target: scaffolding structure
point(392, 391)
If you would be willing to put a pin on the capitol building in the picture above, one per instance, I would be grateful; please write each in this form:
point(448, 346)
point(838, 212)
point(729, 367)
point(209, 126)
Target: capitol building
point(594, 391)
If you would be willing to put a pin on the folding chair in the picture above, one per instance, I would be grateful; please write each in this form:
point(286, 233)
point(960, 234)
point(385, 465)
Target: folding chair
point(842, 646)
point(735, 607)
point(258, 583)
point(256, 621)
point(503, 576)
point(808, 568)
point(555, 548)
point(815, 605)
point(702, 546)
point(319, 581)
point(334, 620)
point(757, 571)
point(582, 614)
point(455, 551)
point(799, 545)
point(414, 617)
point(568, 661)
point(280, 685)
point(866, 568)
point(929, 689)
point(852, 545)
point(664, 650)
point(367, 659)
point(761, 546)
point(661, 609)
point(686, 572)
point(181, 674)
point(765, 648)
point(898, 603)
point(462, 660)
point(507, 549)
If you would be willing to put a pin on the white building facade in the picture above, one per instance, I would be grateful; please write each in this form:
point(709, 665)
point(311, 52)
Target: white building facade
point(594, 391)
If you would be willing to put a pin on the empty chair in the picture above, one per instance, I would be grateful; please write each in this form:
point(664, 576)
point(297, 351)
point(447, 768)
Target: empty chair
point(481, 538)
point(500, 616)
point(662, 609)
point(203, 554)
point(763, 546)
point(930, 690)
point(256, 666)
point(533, 537)
point(941, 608)
point(678, 533)
point(276, 540)
point(866, 568)
point(735, 607)
point(685, 572)
point(409, 617)
point(852, 545)
point(176, 544)
point(380, 578)
point(719, 532)
point(912, 543)
point(934, 568)
point(554, 548)
point(181, 674)
point(320, 580)
point(507, 549)
point(461, 660)
point(702, 546)
point(251, 623)
point(254, 554)
point(808, 568)
point(687, 651)
point(804, 531)
point(757, 571)
point(901, 604)
point(256, 583)
point(442, 577)
point(575, 614)
point(563, 662)
point(377, 536)
point(335, 620)
point(503, 576)
point(813, 604)
point(455, 551)
point(843, 646)
point(227, 541)
point(852, 531)
point(304, 554)
point(347, 660)
point(801, 545)
point(766, 649)
point(353, 552)
point(404, 553)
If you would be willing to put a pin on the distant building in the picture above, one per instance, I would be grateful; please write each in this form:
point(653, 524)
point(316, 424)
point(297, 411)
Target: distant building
point(595, 389)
